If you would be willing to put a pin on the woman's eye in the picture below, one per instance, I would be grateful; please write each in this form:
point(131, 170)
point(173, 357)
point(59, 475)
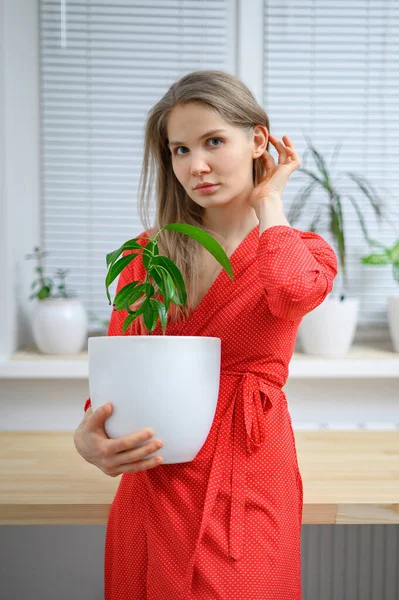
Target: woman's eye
point(178, 147)
point(218, 139)
point(177, 150)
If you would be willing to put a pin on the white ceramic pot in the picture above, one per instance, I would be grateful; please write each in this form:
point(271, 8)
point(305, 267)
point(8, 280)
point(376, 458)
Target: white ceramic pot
point(60, 325)
point(167, 383)
point(393, 319)
point(330, 328)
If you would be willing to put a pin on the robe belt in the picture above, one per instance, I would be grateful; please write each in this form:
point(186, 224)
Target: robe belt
point(247, 412)
point(249, 425)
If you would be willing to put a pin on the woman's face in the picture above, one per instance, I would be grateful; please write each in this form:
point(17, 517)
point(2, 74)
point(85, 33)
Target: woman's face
point(222, 157)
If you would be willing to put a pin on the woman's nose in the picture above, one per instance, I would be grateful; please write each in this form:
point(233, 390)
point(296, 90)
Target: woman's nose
point(198, 165)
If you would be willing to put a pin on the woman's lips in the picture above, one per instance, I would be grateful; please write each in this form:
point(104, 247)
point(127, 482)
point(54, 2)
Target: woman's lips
point(207, 189)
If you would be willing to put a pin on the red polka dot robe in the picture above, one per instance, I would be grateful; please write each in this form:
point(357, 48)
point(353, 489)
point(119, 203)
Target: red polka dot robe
point(227, 524)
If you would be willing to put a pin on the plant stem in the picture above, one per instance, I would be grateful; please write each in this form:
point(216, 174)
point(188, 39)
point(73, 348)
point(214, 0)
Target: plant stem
point(39, 255)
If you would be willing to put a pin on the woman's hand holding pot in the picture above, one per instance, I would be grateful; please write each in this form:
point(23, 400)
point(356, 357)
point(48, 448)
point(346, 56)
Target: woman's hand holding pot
point(114, 456)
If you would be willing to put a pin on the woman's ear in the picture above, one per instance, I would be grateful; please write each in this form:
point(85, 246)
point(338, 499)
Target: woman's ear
point(260, 140)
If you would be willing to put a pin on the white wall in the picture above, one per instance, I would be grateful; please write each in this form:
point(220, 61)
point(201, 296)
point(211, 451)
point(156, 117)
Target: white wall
point(19, 155)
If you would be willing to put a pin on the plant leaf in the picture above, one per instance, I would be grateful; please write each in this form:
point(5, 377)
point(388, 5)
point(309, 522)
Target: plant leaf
point(133, 314)
point(129, 293)
point(360, 217)
point(164, 282)
point(336, 229)
point(115, 270)
point(156, 274)
point(311, 175)
point(375, 243)
point(44, 292)
point(161, 311)
point(375, 259)
point(373, 197)
point(175, 274)
point(149, 315)
point(298, 203)
point(336, 151)
point(169, 289)
point(320, 163)
point(129, 245)
point(129, 319)
point(207, 241)
point(144, 288)
point(316, 219)
point(395, 253)
point(174, 296)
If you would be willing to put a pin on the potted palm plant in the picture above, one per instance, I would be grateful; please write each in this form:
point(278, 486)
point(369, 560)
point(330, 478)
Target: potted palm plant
point(174, 380)
point(388, 256)
point(59, 319)
point(330, 328)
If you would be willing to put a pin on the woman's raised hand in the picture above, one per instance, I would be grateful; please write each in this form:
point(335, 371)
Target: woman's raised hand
point(272, 184)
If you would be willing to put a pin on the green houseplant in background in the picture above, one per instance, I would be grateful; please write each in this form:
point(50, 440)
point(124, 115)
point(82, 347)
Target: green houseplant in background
point(388, 256)
point(330, 328)
point(59, 320)
point(170, 383)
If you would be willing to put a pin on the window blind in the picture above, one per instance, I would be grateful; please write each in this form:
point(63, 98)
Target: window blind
point(331, 73)
point(103, 65)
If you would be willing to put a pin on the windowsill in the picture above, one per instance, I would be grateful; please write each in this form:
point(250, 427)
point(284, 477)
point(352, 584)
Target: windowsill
point(375, 359)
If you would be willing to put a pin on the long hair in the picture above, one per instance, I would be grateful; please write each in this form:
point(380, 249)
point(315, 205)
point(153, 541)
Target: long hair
point(235, 103)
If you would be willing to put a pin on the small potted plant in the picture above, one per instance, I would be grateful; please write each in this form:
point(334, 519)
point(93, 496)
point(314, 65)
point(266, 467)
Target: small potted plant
point(173, 380)
point(330, 328)
point(388, 256)
point(59, 320)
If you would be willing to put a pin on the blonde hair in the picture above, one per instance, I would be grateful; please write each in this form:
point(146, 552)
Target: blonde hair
point(234, 102)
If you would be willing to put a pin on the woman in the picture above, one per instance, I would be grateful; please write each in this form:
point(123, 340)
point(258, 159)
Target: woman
point(227, 524)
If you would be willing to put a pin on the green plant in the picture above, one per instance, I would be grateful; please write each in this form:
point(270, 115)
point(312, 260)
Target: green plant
point(333, 208)
point(46, 284)
point(386, 257)
point(162, 270)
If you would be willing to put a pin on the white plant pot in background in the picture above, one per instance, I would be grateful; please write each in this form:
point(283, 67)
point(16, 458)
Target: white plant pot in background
point(60, 325)
point(393, 319)
point(330, 328)
point(167, 383)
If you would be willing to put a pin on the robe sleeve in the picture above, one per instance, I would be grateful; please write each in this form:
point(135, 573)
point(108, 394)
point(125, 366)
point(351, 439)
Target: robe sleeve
point(297, 270)
point(129, 273)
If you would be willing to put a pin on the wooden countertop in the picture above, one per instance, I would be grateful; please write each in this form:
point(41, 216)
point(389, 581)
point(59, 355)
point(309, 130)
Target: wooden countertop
point(349, 478)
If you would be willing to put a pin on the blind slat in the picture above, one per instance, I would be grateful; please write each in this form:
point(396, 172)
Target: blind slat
point(119, 59)
point(331, 71)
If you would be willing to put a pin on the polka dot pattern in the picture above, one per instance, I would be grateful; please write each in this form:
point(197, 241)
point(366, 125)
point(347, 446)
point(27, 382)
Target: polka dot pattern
point(227, 524)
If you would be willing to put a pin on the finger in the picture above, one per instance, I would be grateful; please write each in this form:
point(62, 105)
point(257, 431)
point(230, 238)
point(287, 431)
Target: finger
point(136, 454)
point(268, 163)
point(129, 442)
point(288, 147)
point(268, 160)
point(97, 417)
point(141, 465)
point(293, 153)
point(284, 152)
